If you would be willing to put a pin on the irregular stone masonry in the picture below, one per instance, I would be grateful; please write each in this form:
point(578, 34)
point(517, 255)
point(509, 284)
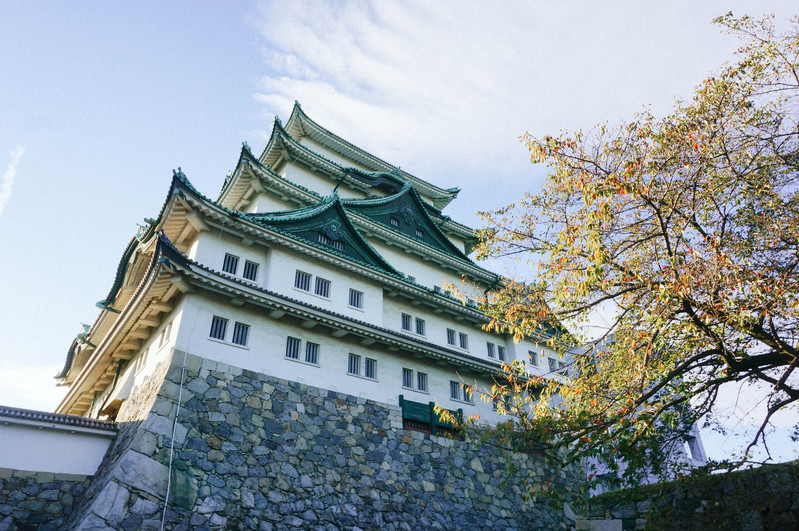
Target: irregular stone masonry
point(255, 452)
point(38, 500)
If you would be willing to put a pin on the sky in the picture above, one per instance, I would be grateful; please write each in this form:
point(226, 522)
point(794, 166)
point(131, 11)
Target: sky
point(100, 101)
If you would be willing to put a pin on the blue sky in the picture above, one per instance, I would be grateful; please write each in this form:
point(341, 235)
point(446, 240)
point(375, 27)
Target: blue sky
point(99, 101)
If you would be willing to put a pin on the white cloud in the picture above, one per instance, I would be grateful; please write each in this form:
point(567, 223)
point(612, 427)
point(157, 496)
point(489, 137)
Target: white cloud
point(7, 180)
point(446, 88)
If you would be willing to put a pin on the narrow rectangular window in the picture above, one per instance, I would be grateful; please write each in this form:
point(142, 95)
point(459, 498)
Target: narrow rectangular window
point(419, 233)
point(490, 350)
point(338, 245)
point(467, 393)
point(322, 287)
point(420, 326)
point(437, 289)
point(562, 368)
point(240, 333)
point(464, 341)
point(533, 358)
point(421, 381)
point(354, 364)
point(356, 298)
point(293, 348)
point(407, 378)
point(501, 353)
point(322, 238)
point(370, 369)
point(553, 364)
point(231, 264)
point(406, 322)
point(394, 222)
point(302, 281)
point(218, 328)
point(454, 390)
point(411, 279)
point(250, 270)
point(312, 353)
point(450, 336)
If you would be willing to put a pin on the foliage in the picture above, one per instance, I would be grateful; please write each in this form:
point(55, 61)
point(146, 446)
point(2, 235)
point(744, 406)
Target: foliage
point(681, 231)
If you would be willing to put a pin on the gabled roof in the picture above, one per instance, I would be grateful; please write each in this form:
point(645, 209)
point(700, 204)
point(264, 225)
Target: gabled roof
point(327, 226)
point(299, 124)
point(405, 212)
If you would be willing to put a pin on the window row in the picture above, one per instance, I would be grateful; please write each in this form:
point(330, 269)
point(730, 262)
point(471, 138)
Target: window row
point(356, 363)
point(231, 265)
point(496, 351)
point(461, 392)
point(324, 239)
point(419, 383)
point(457, 340)
point(407, 323)
point(321, 287)
point(219, 329)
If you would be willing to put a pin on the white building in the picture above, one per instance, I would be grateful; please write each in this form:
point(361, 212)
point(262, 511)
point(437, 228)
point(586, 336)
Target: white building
point(318, 263)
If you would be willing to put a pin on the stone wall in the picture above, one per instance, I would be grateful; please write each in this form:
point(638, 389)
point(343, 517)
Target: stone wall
point(38, 500)
point(255, 452)
point(754, 500)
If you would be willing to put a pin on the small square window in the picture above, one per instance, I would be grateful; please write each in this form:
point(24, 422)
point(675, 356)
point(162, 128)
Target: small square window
point(293, 348)
point(312, 353)
point(370, 369)
point(218, 328)
point(356, 298)
point(501, 353)
point(464, 341)
point(407, 378)
point(354, 364)
point(394, 222)
point(420, 326)
point(491, 352)
point(562, 369)
point(437, 289)
point(406, 322)
point(450, 336)
point(302, 281)
point(533, 358)
point(231, 264)
point(250, 270)
point(411, 279)
point(421, 381)
point(241, 332)
point(322, 287)
point(454, 390)
point(553, 364)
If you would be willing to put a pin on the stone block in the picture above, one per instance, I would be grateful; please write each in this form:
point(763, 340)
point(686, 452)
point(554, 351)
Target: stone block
point(142, 473)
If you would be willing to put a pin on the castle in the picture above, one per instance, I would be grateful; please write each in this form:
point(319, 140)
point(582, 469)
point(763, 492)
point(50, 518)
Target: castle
point(271, 360)
point(318, 247)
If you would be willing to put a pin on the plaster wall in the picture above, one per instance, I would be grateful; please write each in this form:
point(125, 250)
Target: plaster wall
point(426, 273)
point(316, 181)
point(209, 249)
point(39, 448)
point(266, 353)
point(283, 267)
point(268, 202)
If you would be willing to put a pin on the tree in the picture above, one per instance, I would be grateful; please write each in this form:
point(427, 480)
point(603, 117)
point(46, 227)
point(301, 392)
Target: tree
point(683, 229)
